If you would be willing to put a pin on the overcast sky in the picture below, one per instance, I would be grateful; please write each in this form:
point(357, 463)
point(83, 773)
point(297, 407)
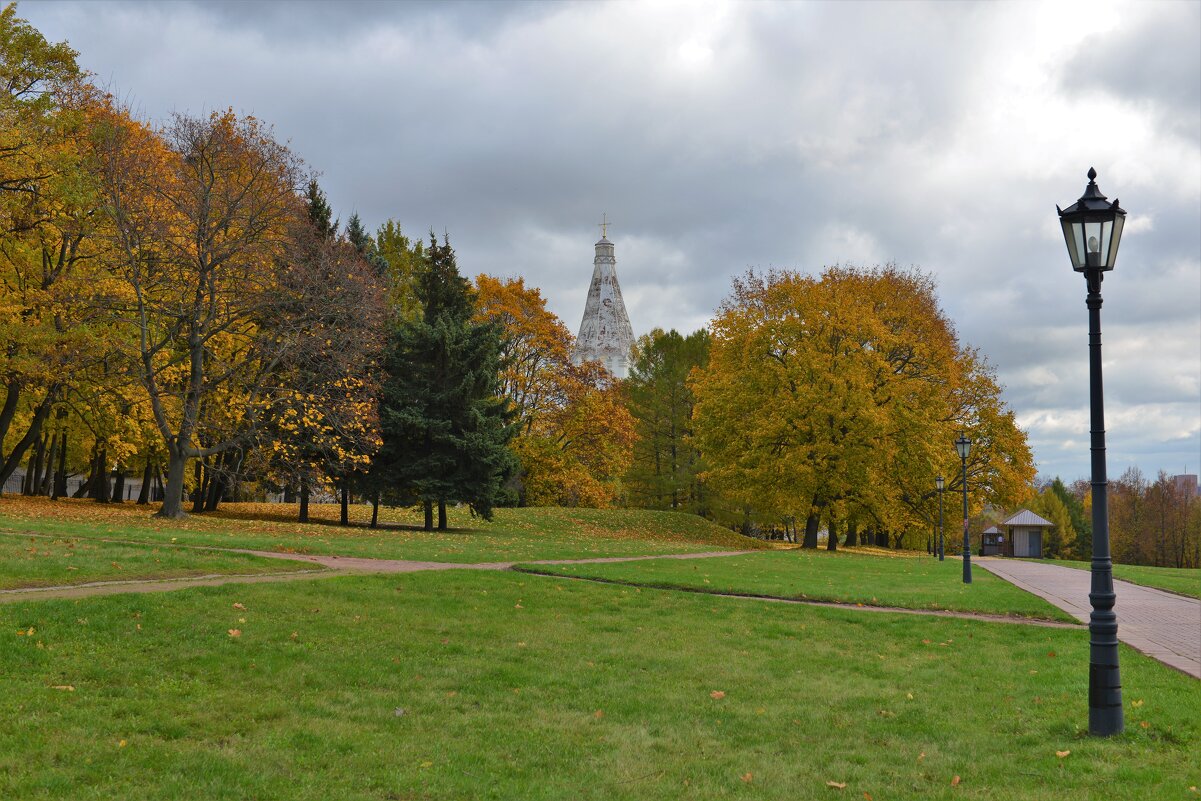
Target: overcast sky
point(722, 136)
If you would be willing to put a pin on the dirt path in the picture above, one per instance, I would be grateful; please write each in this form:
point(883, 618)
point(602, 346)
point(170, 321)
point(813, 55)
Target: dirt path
point(331, 566)
point(326, 567)
point(1162, 625)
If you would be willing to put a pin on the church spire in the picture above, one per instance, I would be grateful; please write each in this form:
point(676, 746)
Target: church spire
point(605, 332)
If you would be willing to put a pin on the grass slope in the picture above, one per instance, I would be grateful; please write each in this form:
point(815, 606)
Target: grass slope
point(469, 685)
point(907, 581)
point(514, 534)
point(1181, 580)
point(61, 561)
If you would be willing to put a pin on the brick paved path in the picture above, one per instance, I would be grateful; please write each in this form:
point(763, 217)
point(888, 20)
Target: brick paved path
point(1161, 624)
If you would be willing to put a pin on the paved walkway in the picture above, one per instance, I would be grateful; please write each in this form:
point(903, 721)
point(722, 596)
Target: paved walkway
point(1161, 624)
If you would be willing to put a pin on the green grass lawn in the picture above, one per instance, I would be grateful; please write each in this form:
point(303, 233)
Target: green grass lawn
point(469, 685)
point(1182, 580)
point(45, 562)
point(514, 535)
point(911, 582)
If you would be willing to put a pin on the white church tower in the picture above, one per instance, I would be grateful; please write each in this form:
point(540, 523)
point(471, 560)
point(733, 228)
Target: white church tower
point(605, 333)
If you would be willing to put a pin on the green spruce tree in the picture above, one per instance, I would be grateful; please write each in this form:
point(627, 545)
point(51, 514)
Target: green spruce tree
point(445, 431)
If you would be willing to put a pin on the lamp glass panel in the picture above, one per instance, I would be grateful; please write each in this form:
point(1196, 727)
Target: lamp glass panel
point(1119, 221)
point(1075, 236)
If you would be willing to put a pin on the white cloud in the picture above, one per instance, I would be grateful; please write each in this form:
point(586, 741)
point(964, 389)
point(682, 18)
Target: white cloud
point(727, 135)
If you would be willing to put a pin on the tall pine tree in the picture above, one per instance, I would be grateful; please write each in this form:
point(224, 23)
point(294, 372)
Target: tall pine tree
point(445, 431)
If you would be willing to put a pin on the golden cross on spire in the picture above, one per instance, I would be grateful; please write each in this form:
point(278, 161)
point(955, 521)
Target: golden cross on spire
point(604, 226)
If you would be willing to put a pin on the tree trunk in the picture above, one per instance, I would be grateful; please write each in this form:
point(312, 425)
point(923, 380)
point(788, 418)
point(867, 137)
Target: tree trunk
point(144, 493)
point(304, 502)
point(33, 476)
point(177, 465)
point(289, 494)
point(345, 517)
point(441, 515)
point(881, 538)
point(9, 466)
point(47, 482)
point(852, 534)
point(60, 477)
point(375, 510)
point(832, 535)
point(216, 487)
point(100, 489)
point(202, 475)
point(429, 515)
point(810, 531)
point(118, 495)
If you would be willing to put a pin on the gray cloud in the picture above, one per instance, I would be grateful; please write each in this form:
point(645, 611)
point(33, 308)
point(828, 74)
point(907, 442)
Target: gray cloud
point(721, 137)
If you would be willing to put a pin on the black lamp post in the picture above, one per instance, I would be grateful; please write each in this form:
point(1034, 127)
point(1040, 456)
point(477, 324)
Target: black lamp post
point(938, 482)
point(963, 446)
point(1092, 228)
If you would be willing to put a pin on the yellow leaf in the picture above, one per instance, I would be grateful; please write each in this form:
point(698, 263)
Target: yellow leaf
point(1136, 704)
point(837, 785)
point(67, 687)
point(717, 694)
point(121, 744)
point(235, 633)
point(1062, 754)
point(239, 606)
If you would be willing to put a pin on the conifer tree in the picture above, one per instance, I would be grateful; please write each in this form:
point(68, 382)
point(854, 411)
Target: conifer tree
point(445, 431)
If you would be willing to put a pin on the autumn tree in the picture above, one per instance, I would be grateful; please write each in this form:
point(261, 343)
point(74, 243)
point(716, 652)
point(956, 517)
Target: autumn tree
point(573, 431)
point(201, 218)
point(323, 422)
point(835, 398)
point(46, 202)
point(666, 463)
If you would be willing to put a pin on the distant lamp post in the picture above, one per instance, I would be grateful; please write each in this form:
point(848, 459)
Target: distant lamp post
point(963, 446)
point(938, 482)
point(1092, 228)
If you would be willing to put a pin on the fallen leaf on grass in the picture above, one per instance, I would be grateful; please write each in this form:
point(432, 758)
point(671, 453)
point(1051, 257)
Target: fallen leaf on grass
point(1144, 724)
point(1136, 704)
point(747, 777)
point(67, 687)
point(598, 714)
point(955, 782)
point(921, 756)
point(121, 744)
point(717, 695)
point(837, 785)
point(867, 795)
point(294, 635)
point(239, 606)
point(1062, 754)
point(235, 632)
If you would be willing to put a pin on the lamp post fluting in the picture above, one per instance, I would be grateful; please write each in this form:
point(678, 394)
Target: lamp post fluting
point(963, 446)
point(1092, 229)
point(938, 482)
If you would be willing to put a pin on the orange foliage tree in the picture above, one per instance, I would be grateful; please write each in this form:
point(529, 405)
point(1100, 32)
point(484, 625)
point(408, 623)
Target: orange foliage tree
point(575, 433)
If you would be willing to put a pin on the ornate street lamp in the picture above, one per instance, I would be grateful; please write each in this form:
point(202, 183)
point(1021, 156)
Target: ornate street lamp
point(963, 446)
point(1092, 228)
point(938, 482)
